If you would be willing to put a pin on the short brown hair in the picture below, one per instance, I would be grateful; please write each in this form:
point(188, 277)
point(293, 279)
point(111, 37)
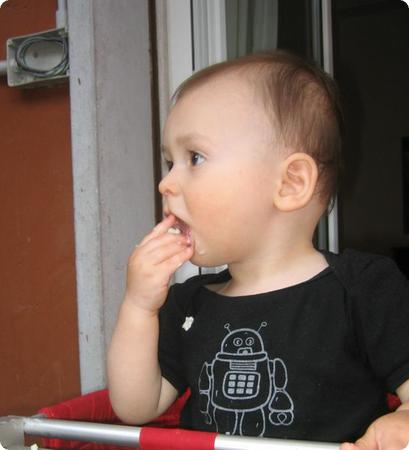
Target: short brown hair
point(301, 99)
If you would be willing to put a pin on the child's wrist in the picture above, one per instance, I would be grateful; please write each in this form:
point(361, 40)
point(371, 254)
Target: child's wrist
point(135, 306)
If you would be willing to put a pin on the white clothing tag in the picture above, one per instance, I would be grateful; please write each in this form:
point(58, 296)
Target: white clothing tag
point(188, 323)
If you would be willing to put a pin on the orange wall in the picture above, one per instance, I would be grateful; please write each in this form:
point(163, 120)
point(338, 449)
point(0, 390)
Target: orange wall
point(39, 362)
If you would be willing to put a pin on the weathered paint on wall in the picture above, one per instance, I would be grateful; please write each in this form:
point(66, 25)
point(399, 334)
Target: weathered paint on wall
point(38, 314)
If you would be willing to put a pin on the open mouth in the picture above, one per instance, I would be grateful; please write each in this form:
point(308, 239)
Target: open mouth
point(180, 227)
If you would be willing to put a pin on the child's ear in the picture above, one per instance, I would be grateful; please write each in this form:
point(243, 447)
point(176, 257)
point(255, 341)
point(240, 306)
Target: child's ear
point(297, 181)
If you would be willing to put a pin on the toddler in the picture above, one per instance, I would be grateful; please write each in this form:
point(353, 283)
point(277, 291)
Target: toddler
point(289, 341)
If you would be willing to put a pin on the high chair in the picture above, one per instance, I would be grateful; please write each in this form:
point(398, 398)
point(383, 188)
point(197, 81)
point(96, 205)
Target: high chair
point(88, 422)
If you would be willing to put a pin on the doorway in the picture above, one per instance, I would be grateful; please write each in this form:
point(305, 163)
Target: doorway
point(371, 66)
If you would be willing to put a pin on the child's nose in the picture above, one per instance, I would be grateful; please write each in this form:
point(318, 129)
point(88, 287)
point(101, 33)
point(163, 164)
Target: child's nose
point(168, 184)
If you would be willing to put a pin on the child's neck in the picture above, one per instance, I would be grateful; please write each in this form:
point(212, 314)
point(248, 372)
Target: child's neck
point(286, 266)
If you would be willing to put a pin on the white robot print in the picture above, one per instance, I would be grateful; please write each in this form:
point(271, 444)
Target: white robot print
point(241, 385)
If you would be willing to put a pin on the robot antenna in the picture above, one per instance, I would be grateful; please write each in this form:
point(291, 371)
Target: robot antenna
point(262, 325)
point(227, 327)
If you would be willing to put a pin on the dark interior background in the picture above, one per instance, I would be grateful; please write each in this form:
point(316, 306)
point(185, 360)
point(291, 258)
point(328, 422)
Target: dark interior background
point(371, 66)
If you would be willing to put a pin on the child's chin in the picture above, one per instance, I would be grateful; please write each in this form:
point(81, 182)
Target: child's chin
point(199, 260)
point(203, 260)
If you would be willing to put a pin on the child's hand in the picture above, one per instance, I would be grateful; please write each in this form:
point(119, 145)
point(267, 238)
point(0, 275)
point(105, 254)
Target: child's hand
point(153, 263)
point(389, 432)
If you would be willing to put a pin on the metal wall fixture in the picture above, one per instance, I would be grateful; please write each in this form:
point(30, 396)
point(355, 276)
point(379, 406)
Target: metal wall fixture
point(38, 59)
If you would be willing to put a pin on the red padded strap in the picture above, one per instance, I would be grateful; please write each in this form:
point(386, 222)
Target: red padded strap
point(175, 439)
point(393, 402)
point(95, 407)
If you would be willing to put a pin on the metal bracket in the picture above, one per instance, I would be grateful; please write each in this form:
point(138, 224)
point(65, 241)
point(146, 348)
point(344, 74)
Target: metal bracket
point(38, 59)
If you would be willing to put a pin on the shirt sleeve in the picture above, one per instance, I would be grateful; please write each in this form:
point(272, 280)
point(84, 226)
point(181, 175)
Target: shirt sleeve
point(171, 319)
point(381, 304)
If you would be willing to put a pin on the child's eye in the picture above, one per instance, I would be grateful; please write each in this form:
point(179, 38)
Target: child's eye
point(196, 158)
point(169, 164)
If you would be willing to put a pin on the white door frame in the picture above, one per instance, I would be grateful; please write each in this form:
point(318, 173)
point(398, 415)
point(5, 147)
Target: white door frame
point(113, 185)
point(209, 40)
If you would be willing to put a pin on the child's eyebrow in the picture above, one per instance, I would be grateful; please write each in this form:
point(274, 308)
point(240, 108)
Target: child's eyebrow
point(185, 140)
point(191, 137)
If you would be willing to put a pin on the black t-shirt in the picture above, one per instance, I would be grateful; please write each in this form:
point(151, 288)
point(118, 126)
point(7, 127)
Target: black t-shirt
point(312, 361)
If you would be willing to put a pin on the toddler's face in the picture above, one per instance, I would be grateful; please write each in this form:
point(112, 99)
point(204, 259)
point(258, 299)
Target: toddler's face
point(219, 148)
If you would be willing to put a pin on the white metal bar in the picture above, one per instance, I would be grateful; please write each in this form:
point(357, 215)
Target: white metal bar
point(333, 233)
point(224, 442)
point(327, 36)
point(328, 62)
point(129, 436)
point(83, 431)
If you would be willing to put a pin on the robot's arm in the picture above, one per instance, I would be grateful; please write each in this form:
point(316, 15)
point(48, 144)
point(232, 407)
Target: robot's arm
point(278, 373)
point(205, 384)
point(281, 405)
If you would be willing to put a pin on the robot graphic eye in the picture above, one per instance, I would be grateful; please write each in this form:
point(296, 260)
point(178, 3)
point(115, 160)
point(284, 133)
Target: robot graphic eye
point(249, 341)
point(238, 342)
